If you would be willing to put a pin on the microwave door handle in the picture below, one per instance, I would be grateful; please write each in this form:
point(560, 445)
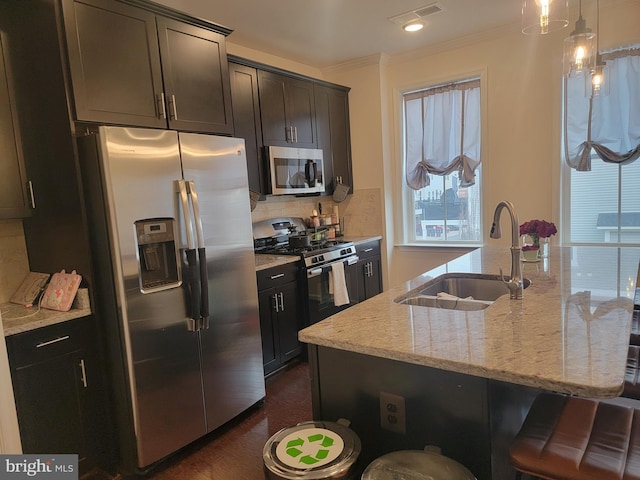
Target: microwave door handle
point(192, 282)
point(202, 256)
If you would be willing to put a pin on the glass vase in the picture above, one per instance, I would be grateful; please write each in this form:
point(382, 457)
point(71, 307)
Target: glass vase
point(530, 255)
point(543, 252)
point(530, 248)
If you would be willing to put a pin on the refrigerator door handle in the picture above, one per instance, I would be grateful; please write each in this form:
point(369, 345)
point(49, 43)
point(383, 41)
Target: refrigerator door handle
point(181, 188)
point(193, 282)
point(202, 256)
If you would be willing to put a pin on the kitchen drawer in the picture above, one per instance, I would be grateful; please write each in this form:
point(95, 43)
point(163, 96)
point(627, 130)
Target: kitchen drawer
point(279, 275)
point(368, 249)
point(44, 343)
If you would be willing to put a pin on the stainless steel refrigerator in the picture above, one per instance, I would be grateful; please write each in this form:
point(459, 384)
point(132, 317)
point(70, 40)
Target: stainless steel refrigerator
point(175, 280)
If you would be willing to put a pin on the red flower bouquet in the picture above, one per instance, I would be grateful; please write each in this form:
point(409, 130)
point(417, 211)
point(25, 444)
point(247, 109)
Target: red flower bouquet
point(537, 229)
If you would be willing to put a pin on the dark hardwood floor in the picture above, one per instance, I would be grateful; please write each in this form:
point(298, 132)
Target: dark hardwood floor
point(235, 452)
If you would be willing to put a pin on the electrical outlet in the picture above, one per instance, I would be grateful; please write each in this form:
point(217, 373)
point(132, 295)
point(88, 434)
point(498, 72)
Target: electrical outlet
point(393, 416)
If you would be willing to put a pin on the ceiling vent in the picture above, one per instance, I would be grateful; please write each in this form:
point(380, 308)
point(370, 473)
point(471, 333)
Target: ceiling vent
point(416, 14)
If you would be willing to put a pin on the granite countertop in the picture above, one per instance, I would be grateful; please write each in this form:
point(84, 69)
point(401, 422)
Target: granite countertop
point(569, 333)
point(18, 319)
point(267, 260)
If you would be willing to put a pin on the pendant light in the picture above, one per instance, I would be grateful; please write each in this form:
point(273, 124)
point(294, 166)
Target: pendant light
point(580, 49)
point(597, 83)
point(540, 17)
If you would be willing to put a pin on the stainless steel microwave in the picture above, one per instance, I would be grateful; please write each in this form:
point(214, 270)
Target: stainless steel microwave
point(295, 171)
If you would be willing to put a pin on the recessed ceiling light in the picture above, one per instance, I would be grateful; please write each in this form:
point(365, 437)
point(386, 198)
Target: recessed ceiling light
point(413, 26)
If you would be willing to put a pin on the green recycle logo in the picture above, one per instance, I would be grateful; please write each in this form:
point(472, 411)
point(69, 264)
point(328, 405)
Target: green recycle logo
point(323, 442)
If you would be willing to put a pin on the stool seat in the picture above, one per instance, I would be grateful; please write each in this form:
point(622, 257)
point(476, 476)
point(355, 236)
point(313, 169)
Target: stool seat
point(632, 373)
point(634, 338)
point(573, 438)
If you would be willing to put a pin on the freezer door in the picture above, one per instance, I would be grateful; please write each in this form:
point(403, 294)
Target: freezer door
point(233, 376)
point(140, 168)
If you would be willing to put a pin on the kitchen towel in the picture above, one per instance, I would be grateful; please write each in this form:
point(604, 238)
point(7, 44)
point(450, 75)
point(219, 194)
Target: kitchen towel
point(338, 284)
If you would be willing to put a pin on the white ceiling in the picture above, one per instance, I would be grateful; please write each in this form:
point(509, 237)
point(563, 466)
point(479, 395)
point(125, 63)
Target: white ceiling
point(322, 33)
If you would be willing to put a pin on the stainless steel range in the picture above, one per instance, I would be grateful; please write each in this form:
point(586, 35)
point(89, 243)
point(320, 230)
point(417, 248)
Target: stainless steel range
point(330, 264)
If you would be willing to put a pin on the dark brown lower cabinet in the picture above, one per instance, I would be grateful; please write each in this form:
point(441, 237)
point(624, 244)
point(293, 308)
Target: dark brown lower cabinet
point(281, 315)
point(369, 270)
point(59, 391)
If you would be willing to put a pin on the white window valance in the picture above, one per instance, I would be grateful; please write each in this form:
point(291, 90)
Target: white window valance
point(608, 124)
point(442, 133)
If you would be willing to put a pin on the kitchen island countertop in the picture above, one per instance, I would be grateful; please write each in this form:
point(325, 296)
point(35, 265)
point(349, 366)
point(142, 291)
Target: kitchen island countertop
point(569, 333)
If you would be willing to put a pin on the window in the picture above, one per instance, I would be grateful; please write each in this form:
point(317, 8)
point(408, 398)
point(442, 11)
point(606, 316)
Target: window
point(601, 193)
point(442, 174)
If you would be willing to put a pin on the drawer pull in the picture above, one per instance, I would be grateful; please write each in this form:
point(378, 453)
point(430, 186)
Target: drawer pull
point(55, 340)
point(280, 275)
point(367, 250)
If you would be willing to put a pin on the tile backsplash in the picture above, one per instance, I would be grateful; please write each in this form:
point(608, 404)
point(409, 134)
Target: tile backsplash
point(14, 264)
point(361, 212)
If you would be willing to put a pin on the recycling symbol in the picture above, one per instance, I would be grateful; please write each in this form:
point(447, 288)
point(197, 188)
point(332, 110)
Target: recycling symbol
point(310, 447)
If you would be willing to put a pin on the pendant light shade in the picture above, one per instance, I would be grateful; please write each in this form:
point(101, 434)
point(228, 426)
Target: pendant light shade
point(580, 49)
point(597, 83)
point(540, 17)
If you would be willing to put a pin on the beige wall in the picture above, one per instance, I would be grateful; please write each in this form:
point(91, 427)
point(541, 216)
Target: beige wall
point(521, 141)
point(521, 129)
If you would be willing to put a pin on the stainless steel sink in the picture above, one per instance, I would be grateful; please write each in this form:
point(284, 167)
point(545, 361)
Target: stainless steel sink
point(459, 291)
point(448, 303)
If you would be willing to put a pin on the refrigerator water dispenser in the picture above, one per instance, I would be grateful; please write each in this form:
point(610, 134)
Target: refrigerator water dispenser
point(157, 254)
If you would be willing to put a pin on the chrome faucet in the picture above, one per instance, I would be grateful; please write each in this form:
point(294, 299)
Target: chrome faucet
point(515, 283)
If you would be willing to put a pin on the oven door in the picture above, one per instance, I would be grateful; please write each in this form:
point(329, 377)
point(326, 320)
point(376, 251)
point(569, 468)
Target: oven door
point(320, 296)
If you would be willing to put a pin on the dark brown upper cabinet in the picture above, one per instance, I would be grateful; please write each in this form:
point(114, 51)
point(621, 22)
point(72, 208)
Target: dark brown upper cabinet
point(14, 198)
point(332, 117)
point(246, 121)
point(132, 66)
point(287, 110)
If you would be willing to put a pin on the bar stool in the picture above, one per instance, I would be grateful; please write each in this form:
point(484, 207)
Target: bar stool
point(632, 373)
point(573, 438)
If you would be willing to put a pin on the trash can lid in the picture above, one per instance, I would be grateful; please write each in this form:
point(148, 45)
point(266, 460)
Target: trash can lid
point(427, 464)
point(312, 450)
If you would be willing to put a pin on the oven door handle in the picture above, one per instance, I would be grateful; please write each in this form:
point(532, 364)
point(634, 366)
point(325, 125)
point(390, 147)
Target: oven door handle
point(318, 271)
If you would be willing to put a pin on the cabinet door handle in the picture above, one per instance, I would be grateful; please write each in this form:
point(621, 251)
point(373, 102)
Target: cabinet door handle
point(50, 342)
point(280, 275)
point(281, 302)
point(174, 109)
point(84, 374)
point(32, 198)
point(295, 134)
point(162, 111)
point(275, 299)
point(367, 250)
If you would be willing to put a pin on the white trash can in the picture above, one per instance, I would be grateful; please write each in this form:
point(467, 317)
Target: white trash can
point(312, 451)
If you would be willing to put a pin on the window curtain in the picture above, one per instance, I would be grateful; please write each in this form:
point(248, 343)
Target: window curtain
point(442, 133)
point(608, 124)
